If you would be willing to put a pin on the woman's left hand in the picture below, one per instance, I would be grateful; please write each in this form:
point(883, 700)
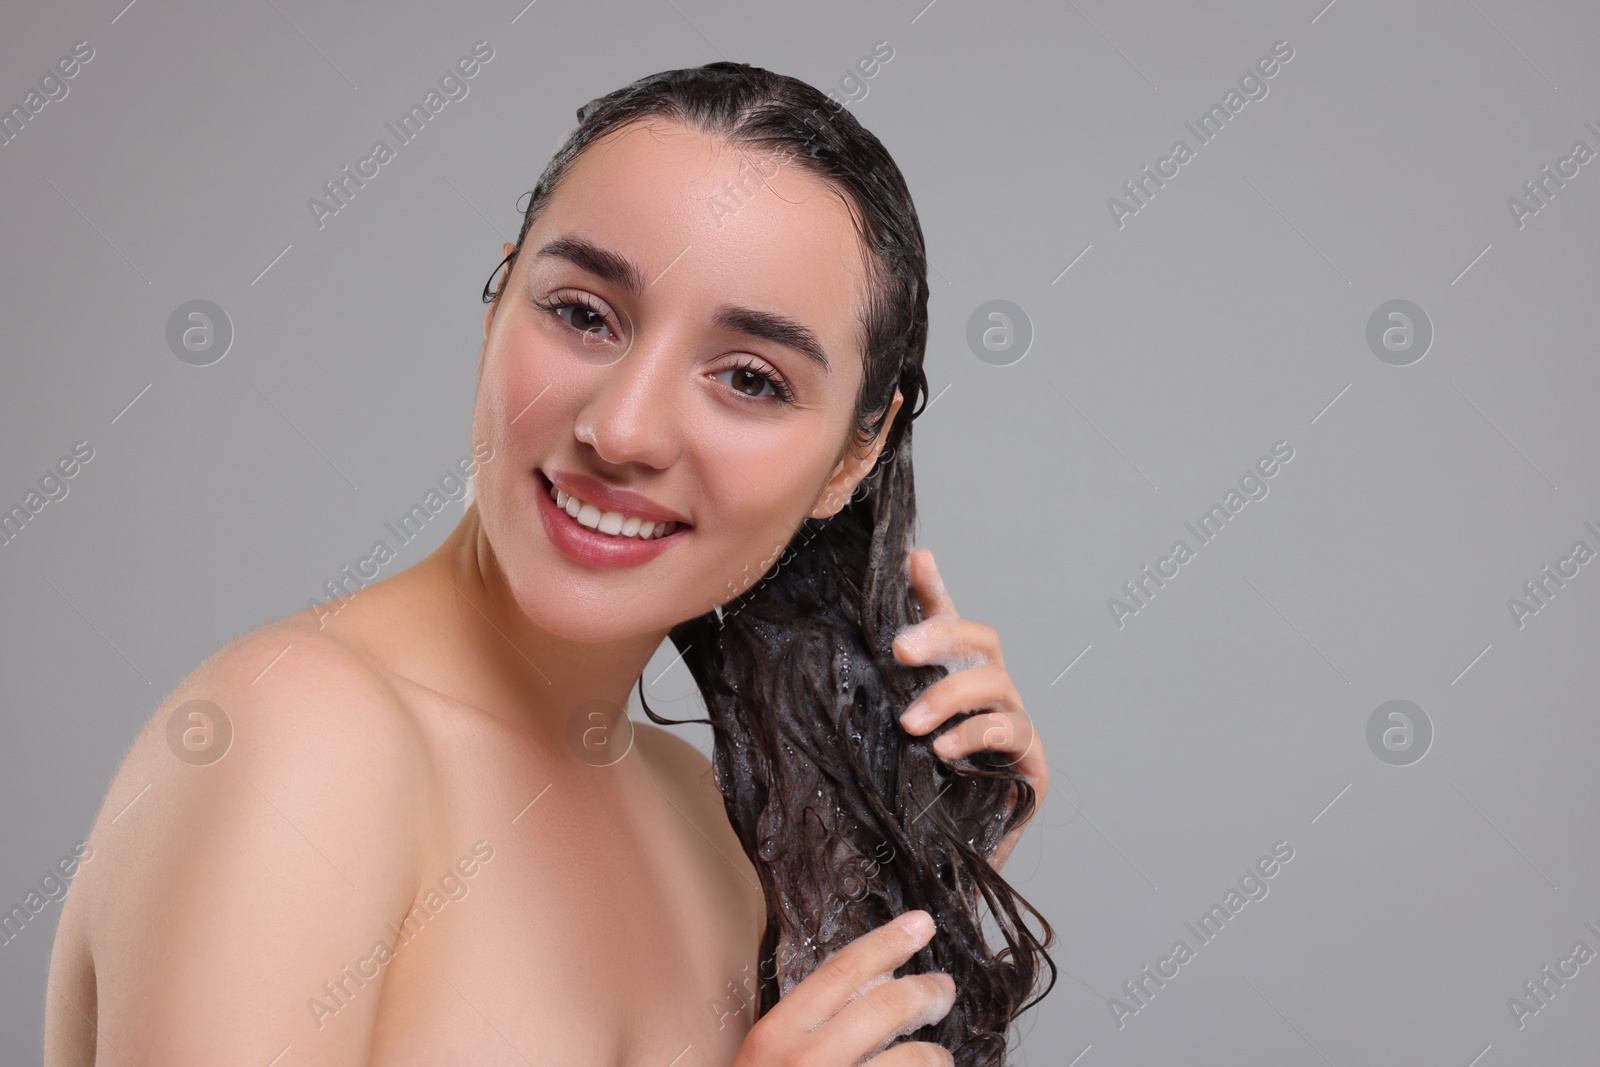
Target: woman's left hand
point(977, 680)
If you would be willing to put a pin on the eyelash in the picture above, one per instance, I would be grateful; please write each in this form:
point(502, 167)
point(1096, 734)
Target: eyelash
point(783, 393)
point(577, 300)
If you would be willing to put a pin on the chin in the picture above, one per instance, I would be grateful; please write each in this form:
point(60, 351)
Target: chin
point(591, 601)
point(589, 606)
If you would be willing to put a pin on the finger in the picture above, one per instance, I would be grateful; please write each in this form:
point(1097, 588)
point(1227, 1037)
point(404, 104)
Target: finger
point(842, 976)
point(948, 640)
point(932, 597)
point(914, 1054)
point(976, 688)
point(1010, 735)
point(884, 1013)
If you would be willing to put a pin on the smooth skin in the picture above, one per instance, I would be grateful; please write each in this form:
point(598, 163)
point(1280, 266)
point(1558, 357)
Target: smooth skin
point(403, 856)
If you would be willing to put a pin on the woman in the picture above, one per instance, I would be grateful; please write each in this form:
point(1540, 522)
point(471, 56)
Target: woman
point(415, 825)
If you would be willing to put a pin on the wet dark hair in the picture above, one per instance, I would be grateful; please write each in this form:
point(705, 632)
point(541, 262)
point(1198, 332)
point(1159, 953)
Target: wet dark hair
point(847, 818)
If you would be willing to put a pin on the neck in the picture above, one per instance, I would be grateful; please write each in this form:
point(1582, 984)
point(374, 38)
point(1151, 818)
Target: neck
point(494, 656)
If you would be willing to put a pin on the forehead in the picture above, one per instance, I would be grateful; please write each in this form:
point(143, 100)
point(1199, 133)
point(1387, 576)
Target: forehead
point(710, 223)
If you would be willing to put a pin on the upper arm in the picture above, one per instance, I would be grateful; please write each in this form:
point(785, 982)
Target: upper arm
point(223, 895)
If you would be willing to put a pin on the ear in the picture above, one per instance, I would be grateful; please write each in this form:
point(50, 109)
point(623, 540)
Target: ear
point(488, 313)
point(852, 468)
point(505, 276)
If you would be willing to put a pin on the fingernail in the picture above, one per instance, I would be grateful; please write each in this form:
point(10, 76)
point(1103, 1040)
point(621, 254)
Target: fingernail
point(919, 924)
point(949, 985)
point(914, 715)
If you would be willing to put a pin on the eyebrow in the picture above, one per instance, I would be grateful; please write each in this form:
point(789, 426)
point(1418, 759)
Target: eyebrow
point(754, 322)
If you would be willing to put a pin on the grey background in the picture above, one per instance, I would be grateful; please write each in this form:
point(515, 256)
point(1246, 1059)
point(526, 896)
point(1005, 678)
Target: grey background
point(1228, 314)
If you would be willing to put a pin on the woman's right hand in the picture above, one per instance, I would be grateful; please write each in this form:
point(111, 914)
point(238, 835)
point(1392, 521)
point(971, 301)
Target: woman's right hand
point(851, 1007)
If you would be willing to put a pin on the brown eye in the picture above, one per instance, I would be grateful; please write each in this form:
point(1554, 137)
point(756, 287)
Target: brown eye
point(585, 316)
point(751, 380)
point(590, 320)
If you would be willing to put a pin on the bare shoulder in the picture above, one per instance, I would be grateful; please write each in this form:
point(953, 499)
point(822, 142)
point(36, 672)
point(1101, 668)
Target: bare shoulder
point(688, 773)
point(282, 704)
point(689, 768)
point(275, 807)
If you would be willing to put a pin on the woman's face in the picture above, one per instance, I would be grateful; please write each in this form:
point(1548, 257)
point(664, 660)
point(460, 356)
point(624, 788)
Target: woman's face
point(698, 345)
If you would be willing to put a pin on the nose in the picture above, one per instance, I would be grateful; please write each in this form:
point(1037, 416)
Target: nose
point(631, 416)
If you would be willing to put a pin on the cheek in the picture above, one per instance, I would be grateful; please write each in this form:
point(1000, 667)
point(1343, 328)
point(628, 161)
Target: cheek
point(525, 407)
point(760, 509)
point(515, 389)
point(518, 412)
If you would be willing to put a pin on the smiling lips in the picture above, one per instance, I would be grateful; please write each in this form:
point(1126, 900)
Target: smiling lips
point(610, 522)
point(618, 513)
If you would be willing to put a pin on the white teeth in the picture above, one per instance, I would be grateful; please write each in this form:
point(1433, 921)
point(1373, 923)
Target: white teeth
point(614, 523)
